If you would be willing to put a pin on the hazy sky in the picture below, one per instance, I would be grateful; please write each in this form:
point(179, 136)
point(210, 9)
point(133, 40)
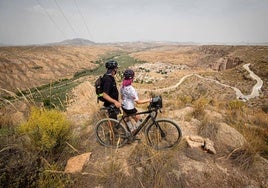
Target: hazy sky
point(45, 21)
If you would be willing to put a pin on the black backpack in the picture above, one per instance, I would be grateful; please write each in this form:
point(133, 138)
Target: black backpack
point(99, 89)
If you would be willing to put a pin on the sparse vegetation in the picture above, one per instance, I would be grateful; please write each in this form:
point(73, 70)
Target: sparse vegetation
point(48, 130)
point(155, 168)
point(41, 152)
point(256, 137)
point(22, 158)
point(208, 128)
point(243, 157)
point(48, 179)
point(199, 107)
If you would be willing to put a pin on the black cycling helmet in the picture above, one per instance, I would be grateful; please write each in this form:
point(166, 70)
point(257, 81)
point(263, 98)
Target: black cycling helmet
point(111, 64)
point(129, 74)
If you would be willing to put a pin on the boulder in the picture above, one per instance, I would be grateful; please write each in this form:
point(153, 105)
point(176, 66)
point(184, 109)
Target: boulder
point(228, 138)
point(76, 164)
point(206, 144)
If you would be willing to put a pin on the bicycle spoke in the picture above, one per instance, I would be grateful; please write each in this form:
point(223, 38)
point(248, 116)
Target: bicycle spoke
point(163, 134)
point(110, 133)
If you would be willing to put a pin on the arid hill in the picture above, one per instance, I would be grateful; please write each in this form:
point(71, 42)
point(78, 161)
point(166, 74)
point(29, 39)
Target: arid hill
point(27, 67)
point(198, 84)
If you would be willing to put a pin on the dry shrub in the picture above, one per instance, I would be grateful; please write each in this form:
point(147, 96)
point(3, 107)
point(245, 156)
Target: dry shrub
point(260, 118)
point(110, 174)
point(265, 108)
point(6, 126)
point(5, 121)
point(174, 101)
point(235, 111)
point(50, 179)
point(235, 105)
point(18, 167)
point(153, 168)
point(256, 137)
point(172, 104)
point(208, 128)
point(185, 99)
point(48, 130)
point(243, 157)
point(199, 107)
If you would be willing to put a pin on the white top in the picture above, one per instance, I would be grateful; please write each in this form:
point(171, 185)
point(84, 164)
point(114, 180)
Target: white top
point(129, 96)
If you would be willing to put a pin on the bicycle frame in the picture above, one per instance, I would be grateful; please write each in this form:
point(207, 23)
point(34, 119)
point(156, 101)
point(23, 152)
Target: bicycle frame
point(159, 133)
point(144, 122)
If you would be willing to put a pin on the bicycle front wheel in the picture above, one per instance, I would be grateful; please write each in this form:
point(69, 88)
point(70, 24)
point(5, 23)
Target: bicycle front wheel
point(111, 133)
point(163, 134)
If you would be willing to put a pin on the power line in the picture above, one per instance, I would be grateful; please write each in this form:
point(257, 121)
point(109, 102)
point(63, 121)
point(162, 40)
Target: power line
point(83, 19)
point(65, 18)
point(51, 19)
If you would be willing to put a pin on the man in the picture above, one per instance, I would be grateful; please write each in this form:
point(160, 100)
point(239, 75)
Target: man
point(110, 91)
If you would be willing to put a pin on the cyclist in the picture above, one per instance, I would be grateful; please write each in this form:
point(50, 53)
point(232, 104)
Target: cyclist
point(110, 91)
point(129, 97)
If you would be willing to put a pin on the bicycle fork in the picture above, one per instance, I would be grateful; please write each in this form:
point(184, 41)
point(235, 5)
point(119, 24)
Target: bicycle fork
point(162, 133)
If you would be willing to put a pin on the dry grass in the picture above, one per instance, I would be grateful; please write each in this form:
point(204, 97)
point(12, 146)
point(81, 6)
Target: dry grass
point(256, 137)
point(144, 167)
point(260, 118)
point(6, 122)
point(208, 128)
point(199, 107)
point(153, 168)
point(236, 112)
point(242, 157)
point(110, 174)
point(148, 168)
point(14, 157)
point(252, 124)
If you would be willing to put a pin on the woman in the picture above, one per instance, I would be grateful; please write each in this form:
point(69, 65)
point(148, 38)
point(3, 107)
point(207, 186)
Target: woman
point(129, 97)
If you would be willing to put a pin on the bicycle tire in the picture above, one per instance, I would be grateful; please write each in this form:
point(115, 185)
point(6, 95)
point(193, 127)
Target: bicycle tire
point(171, 137)
point(111, 133)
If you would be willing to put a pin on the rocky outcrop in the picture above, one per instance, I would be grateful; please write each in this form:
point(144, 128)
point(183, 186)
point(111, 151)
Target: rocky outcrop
point(76, 163)
point(206, 144)
point(226, 63)
point(228, 139)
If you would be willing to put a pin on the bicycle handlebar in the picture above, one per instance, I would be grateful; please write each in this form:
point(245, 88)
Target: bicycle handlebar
point(155, 105)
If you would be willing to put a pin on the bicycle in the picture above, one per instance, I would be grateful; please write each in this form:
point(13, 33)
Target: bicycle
point(159, 133)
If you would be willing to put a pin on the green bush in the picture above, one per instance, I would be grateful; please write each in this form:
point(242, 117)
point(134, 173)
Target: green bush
point(48, 179)
point(236, 105)
point(47, 129)
point(199, 107)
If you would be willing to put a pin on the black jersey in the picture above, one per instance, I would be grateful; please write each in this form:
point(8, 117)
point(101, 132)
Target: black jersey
point(110, 88)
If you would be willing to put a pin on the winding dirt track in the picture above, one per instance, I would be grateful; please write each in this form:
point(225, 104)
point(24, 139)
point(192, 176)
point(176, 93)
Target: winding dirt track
point(239, 95)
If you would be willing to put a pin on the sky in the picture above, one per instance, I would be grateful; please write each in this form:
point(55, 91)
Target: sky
point(24, 22)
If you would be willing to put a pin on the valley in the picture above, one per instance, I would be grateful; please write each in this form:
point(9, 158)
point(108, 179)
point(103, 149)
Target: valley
point(214, 92)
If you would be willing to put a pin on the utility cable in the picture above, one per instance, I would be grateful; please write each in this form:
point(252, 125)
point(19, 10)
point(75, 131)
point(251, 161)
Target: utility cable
point(83, 18)
point(51, 19)
point(65, 17)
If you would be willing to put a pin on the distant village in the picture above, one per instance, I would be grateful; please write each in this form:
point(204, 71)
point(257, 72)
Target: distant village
point(151, 72)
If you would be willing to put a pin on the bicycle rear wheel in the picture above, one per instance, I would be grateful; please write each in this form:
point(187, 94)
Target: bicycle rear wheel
point(111, 133)
point(163, 134)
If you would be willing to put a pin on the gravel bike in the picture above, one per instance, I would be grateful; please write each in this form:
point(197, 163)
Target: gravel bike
point(159, 133)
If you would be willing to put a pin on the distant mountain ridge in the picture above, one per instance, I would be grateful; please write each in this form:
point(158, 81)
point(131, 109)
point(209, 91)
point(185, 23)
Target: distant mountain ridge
point(75, 41)
point(86, 42)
